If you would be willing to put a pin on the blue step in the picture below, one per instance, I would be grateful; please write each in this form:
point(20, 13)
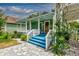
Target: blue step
point(39, 38)
point(38, 44)
point(36, 40)
point(42, 33)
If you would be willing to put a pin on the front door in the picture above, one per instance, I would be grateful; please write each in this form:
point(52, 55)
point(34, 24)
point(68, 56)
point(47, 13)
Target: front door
point(46, 26)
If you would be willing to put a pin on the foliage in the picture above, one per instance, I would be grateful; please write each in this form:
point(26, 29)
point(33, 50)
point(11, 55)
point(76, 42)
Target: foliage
point(74, 25)
point(2, 22)
point(23, 37)
point(60, 47)
point(19, 34)
point(5, 37)
point(14, 35)
point(62, 35)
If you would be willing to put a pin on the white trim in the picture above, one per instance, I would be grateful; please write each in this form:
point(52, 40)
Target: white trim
point(38, 24)
point(45, 22)
point(30, 24)
point(26, 26)
point(48, 39)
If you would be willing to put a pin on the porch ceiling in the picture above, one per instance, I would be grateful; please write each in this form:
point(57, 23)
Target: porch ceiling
point(72, 12)
point(42, 17)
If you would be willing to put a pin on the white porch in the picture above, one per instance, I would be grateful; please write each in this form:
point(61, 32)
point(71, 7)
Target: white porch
point(34, 26)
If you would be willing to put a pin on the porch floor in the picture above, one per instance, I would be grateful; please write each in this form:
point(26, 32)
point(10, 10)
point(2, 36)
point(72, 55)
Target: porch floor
point(24, 49)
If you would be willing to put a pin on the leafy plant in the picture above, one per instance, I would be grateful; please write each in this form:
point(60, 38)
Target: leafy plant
point(15, 34)
point(59, 47)
point(61, 35)
point(23, 37)
point(2, 22)
point(5, 37)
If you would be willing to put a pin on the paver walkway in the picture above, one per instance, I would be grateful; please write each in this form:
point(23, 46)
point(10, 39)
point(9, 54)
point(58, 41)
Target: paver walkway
point(24, 49)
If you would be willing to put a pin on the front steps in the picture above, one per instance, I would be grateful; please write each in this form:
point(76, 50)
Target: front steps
point(38, 40)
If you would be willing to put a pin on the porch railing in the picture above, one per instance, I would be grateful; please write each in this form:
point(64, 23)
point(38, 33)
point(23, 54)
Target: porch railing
point(31, 33)
point(36, 32)
point(48, 39)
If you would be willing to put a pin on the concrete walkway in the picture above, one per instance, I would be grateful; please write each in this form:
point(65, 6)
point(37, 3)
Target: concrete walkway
point(24, 49)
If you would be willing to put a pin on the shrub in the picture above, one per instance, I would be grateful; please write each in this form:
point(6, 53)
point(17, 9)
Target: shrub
point(60, 47)
point(23, 37)
point(5, 37)
point(19, 34)
point(14, 35)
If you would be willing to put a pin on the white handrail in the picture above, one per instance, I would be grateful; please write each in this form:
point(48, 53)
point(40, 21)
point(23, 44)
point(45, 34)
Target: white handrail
point(33, 32)
point(29, 35)
point(48, 39)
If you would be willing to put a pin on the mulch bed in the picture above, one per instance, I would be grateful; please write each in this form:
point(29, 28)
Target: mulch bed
point(9, 43)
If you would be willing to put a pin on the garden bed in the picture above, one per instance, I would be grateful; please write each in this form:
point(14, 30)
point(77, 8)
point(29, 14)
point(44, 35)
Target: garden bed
point(8, 43)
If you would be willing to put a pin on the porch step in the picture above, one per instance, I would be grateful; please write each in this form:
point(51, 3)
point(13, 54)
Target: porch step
point(36, 43)
point(43, 34)
point(39, 37)
point(38, 40)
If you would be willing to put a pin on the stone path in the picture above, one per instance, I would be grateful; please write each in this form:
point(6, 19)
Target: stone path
point(24, 49)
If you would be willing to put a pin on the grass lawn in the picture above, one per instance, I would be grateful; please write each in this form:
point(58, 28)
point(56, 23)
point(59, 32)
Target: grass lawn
point(8, 43)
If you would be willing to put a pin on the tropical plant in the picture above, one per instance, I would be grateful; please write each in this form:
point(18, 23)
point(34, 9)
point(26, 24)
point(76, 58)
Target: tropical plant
point(5, 37)
point(61, 35)
point(60, 46)
point(23, 37)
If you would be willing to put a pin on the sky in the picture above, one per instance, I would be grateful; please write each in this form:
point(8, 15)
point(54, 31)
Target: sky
point(24, 9)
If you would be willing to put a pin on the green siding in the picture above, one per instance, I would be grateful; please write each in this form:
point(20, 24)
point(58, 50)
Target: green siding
point(15, 27)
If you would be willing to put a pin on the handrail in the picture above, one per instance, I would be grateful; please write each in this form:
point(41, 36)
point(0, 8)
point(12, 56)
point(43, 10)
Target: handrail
point(33, 32)
point(48, 39)
point(29, 35)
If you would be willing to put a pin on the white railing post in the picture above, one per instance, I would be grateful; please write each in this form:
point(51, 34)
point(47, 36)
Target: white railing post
point(30, 24)
point(48, 39)
point(38, 24)
point(33, 32)
point(29, 35)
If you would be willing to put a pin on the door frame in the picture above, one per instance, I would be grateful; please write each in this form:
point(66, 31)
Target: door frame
point(48, 26)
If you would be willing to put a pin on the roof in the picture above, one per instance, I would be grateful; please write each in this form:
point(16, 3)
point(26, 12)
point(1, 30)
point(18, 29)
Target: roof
point(10, 19)
point(42, 17)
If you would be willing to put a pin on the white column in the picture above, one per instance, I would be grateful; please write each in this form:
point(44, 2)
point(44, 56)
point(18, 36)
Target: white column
point(30, 24)
point(5, 27)
point(26, 26)
point(17, 27)
point(54, 22)
point(20, 27)
point(39, 24)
